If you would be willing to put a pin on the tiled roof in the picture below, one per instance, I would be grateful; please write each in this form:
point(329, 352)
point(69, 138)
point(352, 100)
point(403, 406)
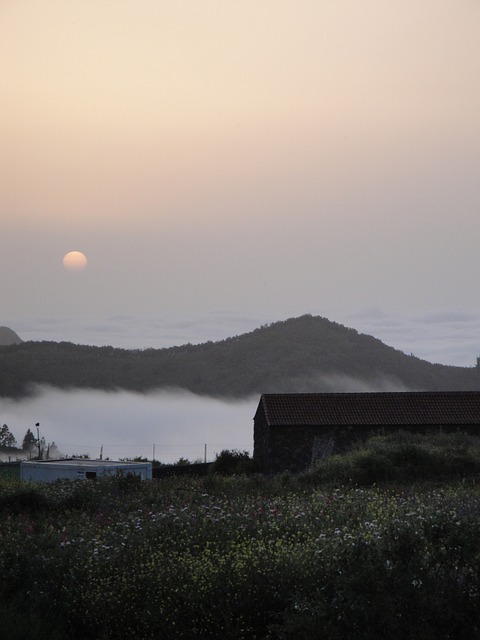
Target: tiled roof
point(393, 408)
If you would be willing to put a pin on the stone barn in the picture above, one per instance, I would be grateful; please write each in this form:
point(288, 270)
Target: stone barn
point(293, 430)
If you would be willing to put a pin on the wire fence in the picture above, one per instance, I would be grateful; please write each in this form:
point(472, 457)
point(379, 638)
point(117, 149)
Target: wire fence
point(166, 453)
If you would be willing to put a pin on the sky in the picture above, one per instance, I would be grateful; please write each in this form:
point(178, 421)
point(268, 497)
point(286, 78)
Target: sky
point(227, 164)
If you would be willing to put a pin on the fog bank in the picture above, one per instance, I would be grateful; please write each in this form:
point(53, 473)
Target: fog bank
point(127, 425)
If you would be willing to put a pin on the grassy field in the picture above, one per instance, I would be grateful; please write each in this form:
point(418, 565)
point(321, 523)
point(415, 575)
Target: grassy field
point(348, 550)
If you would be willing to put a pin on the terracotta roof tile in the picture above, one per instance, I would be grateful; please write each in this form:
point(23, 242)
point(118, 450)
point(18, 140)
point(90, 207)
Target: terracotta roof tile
point(392, 408)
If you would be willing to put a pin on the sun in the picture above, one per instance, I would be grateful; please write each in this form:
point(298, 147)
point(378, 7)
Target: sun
point(75, 261)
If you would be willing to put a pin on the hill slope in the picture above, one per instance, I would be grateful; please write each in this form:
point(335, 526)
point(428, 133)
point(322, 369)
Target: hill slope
point(301, 354)
point(7, 336)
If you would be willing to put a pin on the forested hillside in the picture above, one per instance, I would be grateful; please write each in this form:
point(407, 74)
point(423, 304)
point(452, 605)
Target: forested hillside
point(7, 336)
point(301, 354)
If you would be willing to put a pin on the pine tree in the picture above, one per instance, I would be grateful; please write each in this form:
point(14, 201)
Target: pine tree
point(7, 439)
point(29, 442)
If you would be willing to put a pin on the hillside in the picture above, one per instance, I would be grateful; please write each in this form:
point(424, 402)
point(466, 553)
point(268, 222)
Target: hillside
point(7, 336)
point(301, 354)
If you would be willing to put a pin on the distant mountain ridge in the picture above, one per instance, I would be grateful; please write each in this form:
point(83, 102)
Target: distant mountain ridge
point(8, 336)
point(304, 354)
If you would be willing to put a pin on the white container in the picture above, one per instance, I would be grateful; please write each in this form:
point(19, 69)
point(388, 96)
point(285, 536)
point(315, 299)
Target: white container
point(51, 470)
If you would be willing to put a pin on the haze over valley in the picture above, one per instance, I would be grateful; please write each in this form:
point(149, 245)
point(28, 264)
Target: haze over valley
point(169, 425)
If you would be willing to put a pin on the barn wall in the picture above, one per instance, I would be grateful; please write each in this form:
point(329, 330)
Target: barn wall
point(261, 452)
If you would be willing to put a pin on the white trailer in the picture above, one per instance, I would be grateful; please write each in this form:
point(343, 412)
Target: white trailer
point(81, 469)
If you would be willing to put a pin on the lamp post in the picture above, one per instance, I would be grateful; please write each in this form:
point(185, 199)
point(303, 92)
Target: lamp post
point(37, 424)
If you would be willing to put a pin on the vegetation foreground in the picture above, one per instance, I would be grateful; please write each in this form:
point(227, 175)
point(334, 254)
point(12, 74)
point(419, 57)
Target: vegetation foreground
point(242, 557)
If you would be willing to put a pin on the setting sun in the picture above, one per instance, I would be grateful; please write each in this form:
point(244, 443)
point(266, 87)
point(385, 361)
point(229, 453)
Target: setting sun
point(75, 261)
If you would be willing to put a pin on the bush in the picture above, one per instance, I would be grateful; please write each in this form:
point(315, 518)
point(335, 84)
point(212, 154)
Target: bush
point(233, 462)
point(402, 457)
point(24, 498)
point(371, 467)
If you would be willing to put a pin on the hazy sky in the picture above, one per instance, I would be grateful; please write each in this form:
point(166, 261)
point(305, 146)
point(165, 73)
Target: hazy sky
point(223, 164)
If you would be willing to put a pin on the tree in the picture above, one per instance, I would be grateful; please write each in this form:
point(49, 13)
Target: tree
point(233, 462)
point(7, 439)
point(29, 442)
point(182, 462)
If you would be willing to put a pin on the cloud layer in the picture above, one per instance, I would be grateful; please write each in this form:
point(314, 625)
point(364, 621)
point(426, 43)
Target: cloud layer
point(128, 425)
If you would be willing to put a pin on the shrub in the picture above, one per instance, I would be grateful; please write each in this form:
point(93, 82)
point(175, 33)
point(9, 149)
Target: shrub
point(371, 467)
point(23, 498)
point(335, 469)
point(402, 457)
point(233, 462)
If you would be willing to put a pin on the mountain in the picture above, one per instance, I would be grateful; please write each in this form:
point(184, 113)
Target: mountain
point(303, 354)
point(7, 336)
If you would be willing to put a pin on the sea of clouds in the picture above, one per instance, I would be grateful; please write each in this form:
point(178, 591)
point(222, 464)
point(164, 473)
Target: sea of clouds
point(167, 425)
